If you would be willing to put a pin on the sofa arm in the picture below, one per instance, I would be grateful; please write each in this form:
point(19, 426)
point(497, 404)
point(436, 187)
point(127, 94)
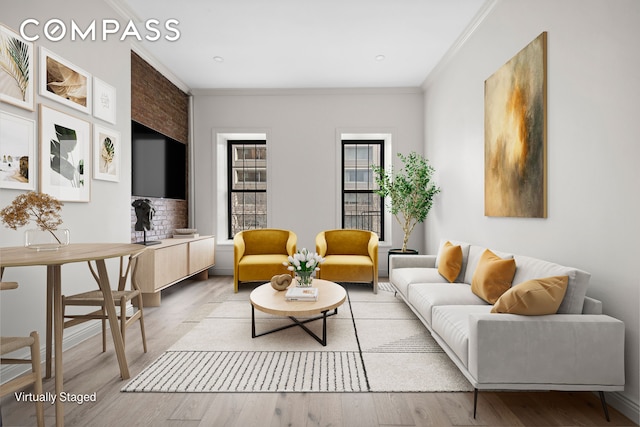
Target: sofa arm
point(238, 247)
point(412, 261)
point(560, 351)
point(372, 249)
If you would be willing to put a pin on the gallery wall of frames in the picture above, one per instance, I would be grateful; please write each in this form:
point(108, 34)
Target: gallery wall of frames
point(61, 153)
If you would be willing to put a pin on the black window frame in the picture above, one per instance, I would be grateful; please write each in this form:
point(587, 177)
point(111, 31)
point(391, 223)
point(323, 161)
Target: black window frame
point(381, 144)
point(230, 178)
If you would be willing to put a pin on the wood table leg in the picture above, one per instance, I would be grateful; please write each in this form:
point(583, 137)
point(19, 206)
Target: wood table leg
point(118, 343)
point(49, 330)
point(54, 273)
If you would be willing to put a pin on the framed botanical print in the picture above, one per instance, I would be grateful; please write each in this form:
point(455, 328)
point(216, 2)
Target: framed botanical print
point(18, 167)
point(65, 156)
point(104, 101)
point(16, 69)
point(63, 82)
point(106, 154)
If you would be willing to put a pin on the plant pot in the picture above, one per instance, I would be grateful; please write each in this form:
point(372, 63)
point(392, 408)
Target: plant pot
point(399, 252)
point(42, 240)
point(304, 278)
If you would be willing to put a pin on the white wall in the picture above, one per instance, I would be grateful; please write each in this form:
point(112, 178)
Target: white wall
point(107, 217)
point(593, 150)
point(302, 127)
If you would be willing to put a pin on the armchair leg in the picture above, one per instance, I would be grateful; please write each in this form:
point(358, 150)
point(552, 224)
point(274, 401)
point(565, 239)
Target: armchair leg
point(604, 405)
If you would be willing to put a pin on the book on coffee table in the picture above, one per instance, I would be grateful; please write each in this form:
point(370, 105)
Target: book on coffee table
point(301, 294)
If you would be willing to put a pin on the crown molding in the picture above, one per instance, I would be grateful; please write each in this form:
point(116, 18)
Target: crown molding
point(460, 42)
point(308, 91)
point(127, 13)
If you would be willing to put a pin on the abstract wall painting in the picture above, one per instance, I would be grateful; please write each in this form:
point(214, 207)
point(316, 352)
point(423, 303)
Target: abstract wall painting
point(16, 69)
point(65, 151)
point(515, 135)
point(18, 167)
point(106, 154)
point(63, 82)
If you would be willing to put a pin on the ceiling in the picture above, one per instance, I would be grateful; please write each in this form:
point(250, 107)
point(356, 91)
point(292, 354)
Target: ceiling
point(303, 43)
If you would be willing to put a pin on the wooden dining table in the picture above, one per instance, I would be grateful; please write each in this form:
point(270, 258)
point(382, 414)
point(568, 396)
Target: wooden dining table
point(53, 260)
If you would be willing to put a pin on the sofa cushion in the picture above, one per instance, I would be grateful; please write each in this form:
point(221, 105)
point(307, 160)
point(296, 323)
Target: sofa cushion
point(534, 297)
point(475, 252)
point(425, 296)
point(465, 256)
point(493, 276)
point(451, 323)
point(532, 268)
point(403, 277)
point(450, 262)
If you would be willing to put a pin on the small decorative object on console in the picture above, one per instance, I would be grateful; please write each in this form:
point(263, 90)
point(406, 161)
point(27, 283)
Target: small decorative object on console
point(281, 282)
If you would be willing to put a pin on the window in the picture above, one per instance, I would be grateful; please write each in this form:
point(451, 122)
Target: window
point(362, 208)
point(247, 185)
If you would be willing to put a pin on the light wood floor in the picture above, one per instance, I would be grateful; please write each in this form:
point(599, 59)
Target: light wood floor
point(87, 370)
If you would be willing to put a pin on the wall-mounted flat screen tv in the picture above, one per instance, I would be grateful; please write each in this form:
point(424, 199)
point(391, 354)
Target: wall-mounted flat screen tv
point(158, 164)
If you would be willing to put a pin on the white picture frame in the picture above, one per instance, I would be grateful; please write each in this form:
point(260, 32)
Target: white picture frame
point(107, 154)
point(16, 75)
point(18, 163)
point(104, 101)
point(65, 156)
point(63, 82)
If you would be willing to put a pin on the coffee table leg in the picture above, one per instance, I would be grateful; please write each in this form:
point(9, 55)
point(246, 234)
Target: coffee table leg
point(253, 322)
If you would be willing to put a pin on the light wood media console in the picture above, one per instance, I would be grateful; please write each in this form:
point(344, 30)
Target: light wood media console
point(171, 261)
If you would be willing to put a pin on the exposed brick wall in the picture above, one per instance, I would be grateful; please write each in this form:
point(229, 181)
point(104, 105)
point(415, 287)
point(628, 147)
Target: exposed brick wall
point(160, 105)
point(170, 214)
point(157, 103)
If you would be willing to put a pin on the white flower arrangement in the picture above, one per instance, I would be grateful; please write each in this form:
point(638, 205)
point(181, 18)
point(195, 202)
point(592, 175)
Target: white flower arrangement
point(303, 261)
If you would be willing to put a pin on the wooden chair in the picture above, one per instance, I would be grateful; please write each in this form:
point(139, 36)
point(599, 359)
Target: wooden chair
point(120, 298)
point(11, 344)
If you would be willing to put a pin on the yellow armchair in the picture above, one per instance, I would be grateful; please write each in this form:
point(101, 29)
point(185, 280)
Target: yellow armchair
point(350, 256)
point(258, 254)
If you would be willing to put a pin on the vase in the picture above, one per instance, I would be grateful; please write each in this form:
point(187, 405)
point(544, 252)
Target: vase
point(304, 278)
point(45, 240)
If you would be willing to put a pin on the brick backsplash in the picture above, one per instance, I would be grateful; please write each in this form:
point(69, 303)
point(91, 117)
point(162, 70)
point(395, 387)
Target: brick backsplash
point(170, 214)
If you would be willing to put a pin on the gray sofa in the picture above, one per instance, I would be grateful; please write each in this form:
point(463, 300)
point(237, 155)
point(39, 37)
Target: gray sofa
point(579, 348)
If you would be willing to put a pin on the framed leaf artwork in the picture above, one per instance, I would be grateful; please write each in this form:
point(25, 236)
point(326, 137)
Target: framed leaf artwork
point(16, 69)
point(106, 154)
point(18, 167)
point(63, 82)
point(65, 152)
point(104, 101)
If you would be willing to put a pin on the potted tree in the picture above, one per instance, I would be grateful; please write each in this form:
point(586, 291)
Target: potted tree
point(409, 193)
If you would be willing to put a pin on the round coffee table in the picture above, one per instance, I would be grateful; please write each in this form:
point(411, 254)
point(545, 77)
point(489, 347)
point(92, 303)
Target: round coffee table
point(268, 300)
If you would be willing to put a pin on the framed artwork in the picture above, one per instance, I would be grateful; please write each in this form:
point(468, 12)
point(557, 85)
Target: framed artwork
point(104, 101)
point(18, 167)
point(515, 135)
point(65, 156)
point(16, 69)
point(106, 154)
point(63, 82)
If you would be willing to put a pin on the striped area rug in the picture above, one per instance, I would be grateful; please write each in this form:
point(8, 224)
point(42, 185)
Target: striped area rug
point(242, 371)
point(375, 344)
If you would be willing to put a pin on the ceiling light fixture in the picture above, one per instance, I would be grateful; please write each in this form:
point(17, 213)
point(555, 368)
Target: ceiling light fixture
point(218, 58)
point(380, 58)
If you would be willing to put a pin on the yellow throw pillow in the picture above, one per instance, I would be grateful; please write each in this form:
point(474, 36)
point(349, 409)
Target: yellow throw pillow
point(533, 297)
point(450, 261)
point(493, 276)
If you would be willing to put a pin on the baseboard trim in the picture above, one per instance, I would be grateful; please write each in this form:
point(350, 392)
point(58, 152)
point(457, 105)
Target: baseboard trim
point(624, 405)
